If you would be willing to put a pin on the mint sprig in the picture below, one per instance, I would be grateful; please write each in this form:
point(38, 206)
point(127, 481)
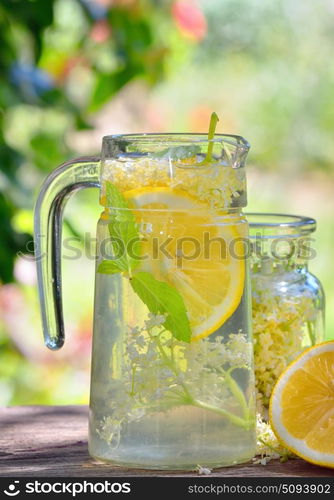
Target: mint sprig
point(159, 297)
point(110, 267)
point(123, 230)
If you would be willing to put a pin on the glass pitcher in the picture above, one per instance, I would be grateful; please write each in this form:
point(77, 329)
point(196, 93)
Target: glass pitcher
point(172, 380)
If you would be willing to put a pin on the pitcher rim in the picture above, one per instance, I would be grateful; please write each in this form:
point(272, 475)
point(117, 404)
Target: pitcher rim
point(173, 137)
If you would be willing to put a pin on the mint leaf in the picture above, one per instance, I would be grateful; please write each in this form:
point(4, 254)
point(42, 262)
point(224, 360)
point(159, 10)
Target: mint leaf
point(109, 267)
point(162, 298)
point(115, 199)
point(159, 297)
point(123, 231)
point(177, 153)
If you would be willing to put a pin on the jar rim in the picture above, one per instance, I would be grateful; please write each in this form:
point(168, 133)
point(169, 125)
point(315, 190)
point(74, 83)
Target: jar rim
point(274, 222)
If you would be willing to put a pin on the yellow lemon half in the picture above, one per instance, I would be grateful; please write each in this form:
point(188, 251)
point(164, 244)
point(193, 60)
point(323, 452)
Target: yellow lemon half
point(189, 247)
point(302, 405)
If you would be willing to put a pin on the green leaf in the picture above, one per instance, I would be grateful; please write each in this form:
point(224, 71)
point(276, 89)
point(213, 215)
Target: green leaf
point(162, 298)
point(123, 230)
point(115, 198)
point(105, 88)
point(12, 242)
point(47, 150)
point(109, 267)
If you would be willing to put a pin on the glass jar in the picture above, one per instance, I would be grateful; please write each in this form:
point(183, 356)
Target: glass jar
point(288, 301)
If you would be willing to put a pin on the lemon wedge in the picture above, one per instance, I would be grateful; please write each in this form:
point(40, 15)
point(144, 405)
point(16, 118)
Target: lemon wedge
point(188, 246)
point(302, 405)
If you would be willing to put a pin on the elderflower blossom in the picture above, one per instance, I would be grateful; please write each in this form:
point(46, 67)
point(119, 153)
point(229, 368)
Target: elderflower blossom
point(154, 320)
point(279, 330)
point(159, 372)
point(267, 447)
point(211, 183)
point(203, 471)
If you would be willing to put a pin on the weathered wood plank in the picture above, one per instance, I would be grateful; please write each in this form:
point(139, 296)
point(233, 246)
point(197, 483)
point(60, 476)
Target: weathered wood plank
point(52, 441)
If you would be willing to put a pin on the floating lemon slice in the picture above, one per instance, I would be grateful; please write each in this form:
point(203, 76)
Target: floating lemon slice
point(302, 405)
point(188, 246)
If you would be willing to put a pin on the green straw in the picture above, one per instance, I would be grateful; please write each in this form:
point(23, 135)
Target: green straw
point(212, 129)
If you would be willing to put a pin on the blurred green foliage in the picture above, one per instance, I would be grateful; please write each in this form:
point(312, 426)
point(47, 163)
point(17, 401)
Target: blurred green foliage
point(265, 67)
point(40, 42)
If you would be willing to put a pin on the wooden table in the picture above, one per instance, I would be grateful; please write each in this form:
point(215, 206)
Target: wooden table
point(52, 441)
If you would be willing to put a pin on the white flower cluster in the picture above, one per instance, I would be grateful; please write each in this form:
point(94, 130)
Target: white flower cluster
point(268, 448)
point(280, 335)
point(160, 372)
point(203, 471)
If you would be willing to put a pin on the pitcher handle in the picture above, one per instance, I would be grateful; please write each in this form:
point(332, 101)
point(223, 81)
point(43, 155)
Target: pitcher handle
point(69, 177)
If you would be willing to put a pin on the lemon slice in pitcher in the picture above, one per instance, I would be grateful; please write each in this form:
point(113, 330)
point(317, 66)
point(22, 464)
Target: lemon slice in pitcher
point(188, 246)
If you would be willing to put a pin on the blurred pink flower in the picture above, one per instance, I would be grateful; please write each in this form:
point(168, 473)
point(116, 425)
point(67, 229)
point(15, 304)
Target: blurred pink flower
point(101, 31)
point(17, 319)
point(199, 119)
point(25, 271)
point(20, 318)
point(189, 19)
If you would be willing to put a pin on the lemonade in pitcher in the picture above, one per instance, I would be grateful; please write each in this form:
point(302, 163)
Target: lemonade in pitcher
point(172, 383)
